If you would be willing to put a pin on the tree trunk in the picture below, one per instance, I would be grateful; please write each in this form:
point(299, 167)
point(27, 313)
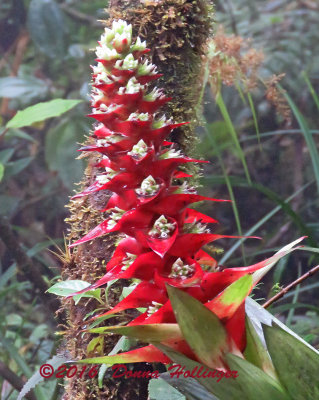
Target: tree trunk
point(176, 32)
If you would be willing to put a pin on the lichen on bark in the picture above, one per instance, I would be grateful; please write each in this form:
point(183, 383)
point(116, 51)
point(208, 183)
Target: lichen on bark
point(176, 32)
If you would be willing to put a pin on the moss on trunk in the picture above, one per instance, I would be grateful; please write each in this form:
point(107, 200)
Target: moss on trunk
point(176, 32)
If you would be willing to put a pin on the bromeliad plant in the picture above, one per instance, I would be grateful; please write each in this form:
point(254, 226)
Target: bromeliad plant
point(162, 240)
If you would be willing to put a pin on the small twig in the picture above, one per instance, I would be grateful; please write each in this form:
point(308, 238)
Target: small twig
point(291, 286)
point(81, 16)
point(14, 380)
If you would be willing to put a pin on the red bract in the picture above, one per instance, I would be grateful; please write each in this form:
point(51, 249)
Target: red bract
point(161, 238)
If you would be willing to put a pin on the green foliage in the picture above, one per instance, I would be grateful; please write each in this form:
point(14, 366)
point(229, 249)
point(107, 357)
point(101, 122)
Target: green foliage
point(47, 28)
point(28, 88)
point(41, 112)
point(159, 390)
point(284, 376)
point(61, 149)
point(289, 355)
point(65, 288)
point(38, 170)
point(190, 315)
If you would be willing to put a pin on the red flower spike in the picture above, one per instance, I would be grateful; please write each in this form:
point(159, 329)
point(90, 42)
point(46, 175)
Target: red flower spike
point(153, 106)
point(142, 296)
point(146, 208)
point(174, 203)
point(98, 231)
point(194, 279)
point(195, 216)
point(189, 243)
point(143, 80)
point(236, 328)
point(180, 174)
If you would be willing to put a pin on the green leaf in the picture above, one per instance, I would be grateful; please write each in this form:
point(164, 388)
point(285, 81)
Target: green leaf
point(224, 111)
point(145, 333)
point(200, 327)
point(312, 147)
point(225, 389)
point(254, 382)
point(192, 389)
point(14, 354)
point(40, 332)
point(65, 288)
point(143, 354)
point(100, 377)
point(47, 27)
point(211, 138)
point(18, 133)
point(259, 315)
point(124, 344)
point(41, 111)
point(61, 149)
point(27, 87)
point(257, 275)
point(255, 352)
point(14, 167)
point(7, 275)
point(158, 389)
point(296, 364)
point(8, 204)
point(227, 303)
point(36, 378)
point(1, 171)
point(95, 346)
point(311, 89)
point(254, 114)
point(5, 155)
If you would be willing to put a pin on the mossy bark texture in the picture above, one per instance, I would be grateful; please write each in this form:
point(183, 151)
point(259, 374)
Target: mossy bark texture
point(176, 32)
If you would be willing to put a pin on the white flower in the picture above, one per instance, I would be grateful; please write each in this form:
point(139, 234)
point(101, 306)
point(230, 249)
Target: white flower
point(122, 42)
point(149, 187)
point(103, 179)
point(139, 150)
point(129, 62)
point(181, 270)
point(141, 116)
point(153, 308)
point(171, 153)
point(147, 68)
point(97, 95)
point(104, 53)
point(132, 87)
point(186, 189)
point(115, 216)
point(154, 95)
point(120, 26)
point(162, 228)
point(101, 142)
point(196, 227)
point(128, 261)
point(139, 45)
point(107, 37)
point(104, 109)
point(162, 121)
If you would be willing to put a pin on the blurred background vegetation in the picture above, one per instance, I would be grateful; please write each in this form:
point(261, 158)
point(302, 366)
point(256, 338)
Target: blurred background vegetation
point(261, 138)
